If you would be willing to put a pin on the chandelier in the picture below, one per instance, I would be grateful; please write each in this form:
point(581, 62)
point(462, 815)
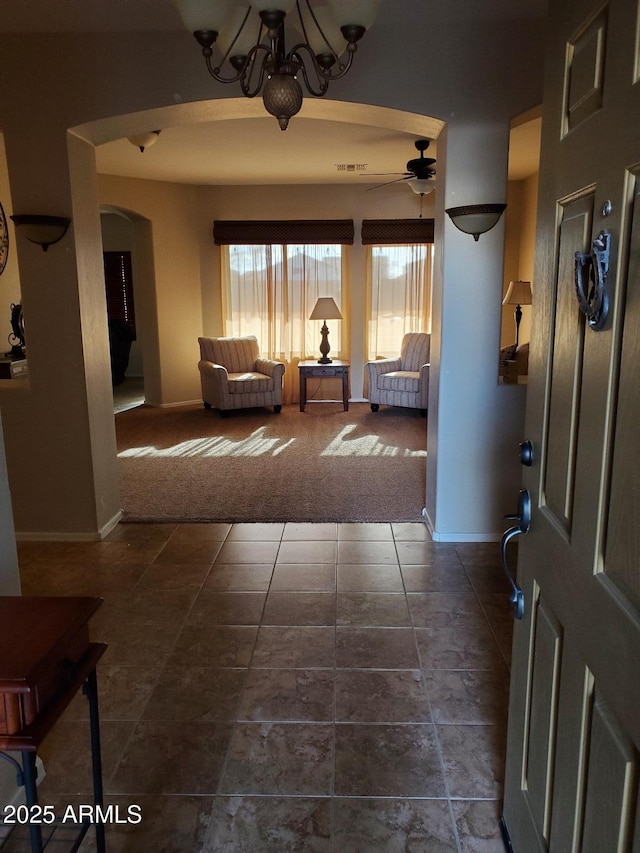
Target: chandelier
point(251, 42)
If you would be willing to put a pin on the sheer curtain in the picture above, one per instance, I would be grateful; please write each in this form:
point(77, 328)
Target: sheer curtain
point(269, 291)
point(398, 296)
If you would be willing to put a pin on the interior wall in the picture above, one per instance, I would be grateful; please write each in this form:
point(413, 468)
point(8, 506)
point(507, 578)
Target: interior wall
point(520, 241)
point(10, 278)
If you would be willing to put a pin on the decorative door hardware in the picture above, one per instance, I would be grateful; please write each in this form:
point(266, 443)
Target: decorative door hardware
point(523, 519)
point(591, 271)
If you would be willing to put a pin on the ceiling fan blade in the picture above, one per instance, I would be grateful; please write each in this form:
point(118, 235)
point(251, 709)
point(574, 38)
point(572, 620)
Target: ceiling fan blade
point(388, 183)
point(384, 174)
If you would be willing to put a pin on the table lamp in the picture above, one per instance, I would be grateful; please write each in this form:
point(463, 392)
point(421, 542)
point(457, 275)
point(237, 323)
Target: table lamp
point(518, 294)
point(325, 309)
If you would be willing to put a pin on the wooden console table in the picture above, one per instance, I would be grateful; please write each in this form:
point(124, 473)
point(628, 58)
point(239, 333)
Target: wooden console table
point(315, 369)
point(45, 658)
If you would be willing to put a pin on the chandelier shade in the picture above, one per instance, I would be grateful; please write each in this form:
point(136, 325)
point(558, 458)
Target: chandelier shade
point(249, 43)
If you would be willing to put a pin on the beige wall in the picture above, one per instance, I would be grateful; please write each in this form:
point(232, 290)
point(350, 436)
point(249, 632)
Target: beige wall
point(520, 233)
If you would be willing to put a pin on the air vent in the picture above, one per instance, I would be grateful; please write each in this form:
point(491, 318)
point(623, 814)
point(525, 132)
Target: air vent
point(351, 167)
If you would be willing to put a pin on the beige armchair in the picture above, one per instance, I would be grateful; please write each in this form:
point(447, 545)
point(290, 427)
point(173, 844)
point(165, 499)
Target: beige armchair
point(233, 376)
point(402, 381)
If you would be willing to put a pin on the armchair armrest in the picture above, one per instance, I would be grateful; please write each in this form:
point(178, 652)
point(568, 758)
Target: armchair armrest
point(208, 368)
point(382, 365)
point(270, 367)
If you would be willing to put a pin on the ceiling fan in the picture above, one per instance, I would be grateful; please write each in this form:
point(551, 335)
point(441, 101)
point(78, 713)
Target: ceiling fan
point(419, 173)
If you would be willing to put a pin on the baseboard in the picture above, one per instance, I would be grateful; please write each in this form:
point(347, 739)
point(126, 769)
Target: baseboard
point(98, 536)
point(458, 537)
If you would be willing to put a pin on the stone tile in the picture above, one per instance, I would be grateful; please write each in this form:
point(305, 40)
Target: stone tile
point(375, 648)
point(392, 826)
point(135, 645)
point(287, 647)
point(310, 532)
point(439, 609)
point(363, 531)
point(358, 552)
point(196, 694)
point(155, 761)
point(410, 532)
point(372, 609)
point(425, 553)
point(387, 761)
point(169, 576)
point(380, 696)
point(461, 644)
point(288, 694)
point(369, 578)
point(469, 697)
point(312, 577)
point(247, 552)
point(227, 608)
point(478, 823)
point(123, 692)
point(300, 608)
point(473, 759)
point(436, 578)
point(256, 532)
point(294, 551)
point(146, 607)
point(214, 646)
point(209, 532)
point(188, 551)
point(279, 758)
point(66, 754)
point(483, 554)
point(269, 825)
point(151, 533)
point(238, 578)
point(488, 579)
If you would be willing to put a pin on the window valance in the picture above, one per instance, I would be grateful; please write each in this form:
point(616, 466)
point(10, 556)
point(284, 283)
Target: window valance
point(260, 232)
point(396, 231)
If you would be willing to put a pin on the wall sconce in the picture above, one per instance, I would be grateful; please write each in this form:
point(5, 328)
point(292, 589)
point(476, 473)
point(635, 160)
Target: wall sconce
point(325, 309)
point(41, 229)
point(476, 219)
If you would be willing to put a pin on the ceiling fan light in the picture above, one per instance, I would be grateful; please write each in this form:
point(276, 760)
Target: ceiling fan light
point(144, 140)
point(203, 15)
point(282, 97)
point(361, 13)
point(422, 186)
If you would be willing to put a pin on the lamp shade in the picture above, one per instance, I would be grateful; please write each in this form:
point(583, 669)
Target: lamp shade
point(203, 14)
point(422, 186)
point(476, 219)
point(518, 293)
point(326, 309)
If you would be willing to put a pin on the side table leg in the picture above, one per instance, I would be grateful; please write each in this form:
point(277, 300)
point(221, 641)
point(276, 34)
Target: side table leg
point(345, 391)
point(29, 773)
point(91, 692)
point(303, 391)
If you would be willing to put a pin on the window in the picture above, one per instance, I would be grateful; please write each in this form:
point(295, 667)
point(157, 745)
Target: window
point(270, 290)
point(119, 287)
point(399, 295)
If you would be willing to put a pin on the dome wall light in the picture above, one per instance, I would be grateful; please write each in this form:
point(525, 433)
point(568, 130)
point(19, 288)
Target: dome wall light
point(329, 40)
point(144, 140)
point(42, 229)
point(476, 219)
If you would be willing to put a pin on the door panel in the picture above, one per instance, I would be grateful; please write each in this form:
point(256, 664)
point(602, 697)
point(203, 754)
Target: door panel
point(573, 768)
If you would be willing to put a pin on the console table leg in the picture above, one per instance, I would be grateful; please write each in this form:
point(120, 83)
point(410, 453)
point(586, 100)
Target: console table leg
point(91, 692)
point(29, 773)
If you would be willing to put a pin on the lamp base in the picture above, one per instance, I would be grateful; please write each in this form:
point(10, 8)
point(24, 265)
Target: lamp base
point(325, 360)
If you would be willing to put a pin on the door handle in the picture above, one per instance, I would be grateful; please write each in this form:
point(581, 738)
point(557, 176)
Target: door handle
point(523, 521)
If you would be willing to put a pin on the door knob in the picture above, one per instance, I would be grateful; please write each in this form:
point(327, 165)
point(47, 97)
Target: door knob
point(523, 521)
point(526, 453)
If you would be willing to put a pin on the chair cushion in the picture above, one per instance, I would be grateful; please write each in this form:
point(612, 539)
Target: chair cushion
point(249, 383)
point(400, 380)
point(415, 350)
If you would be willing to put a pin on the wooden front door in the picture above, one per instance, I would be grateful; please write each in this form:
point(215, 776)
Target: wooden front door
point(573, 762)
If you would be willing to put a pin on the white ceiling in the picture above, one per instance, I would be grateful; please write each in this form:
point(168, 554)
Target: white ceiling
point(253, 150)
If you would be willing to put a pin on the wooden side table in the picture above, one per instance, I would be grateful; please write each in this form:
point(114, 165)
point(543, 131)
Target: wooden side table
point(45, 658)
point(314, 369)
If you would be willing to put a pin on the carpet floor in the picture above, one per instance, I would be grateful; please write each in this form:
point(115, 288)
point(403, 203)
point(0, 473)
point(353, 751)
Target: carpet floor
point(189, 464)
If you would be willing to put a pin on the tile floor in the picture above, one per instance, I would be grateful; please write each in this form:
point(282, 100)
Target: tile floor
point(273, 688)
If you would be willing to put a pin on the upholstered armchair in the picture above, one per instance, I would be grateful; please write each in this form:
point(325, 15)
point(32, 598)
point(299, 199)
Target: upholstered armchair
point(234, 376)
point(402, 381)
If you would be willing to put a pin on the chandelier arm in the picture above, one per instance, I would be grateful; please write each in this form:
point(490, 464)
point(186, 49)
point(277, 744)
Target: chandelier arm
point(244, 73)
point(323, 74)
point(314, 18)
